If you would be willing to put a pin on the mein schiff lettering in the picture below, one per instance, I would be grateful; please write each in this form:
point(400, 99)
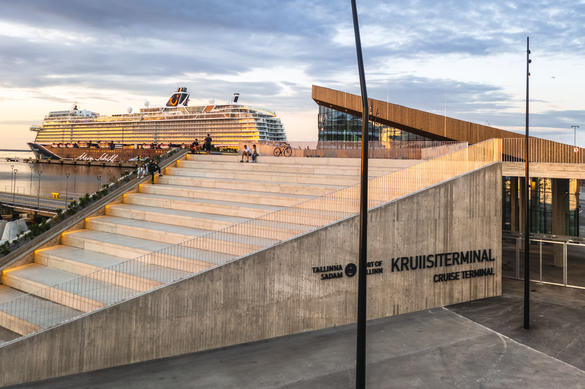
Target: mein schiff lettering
point(441, 260)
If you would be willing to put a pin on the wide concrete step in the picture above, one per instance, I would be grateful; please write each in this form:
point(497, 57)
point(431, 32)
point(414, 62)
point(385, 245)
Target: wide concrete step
point(23, 313)
point(65, 288)
point(166, 233)
point(355, 162)
point(220, 207)
point(273, 177)
point(187, 259)
point(351, 171)
point(249, 197)
point(277, 187)
point(233, 245)
point(119, 271)
point(191, 219)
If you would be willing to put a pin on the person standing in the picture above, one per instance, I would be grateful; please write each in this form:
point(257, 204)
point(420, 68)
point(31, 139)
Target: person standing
point(153, 168)
point(207, 143)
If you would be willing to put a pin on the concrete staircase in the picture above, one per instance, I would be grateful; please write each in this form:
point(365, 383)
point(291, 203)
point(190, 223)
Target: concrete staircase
point(201, 193)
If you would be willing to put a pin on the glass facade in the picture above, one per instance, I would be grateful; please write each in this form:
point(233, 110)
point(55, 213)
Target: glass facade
point(343, 127)
point(541, 206)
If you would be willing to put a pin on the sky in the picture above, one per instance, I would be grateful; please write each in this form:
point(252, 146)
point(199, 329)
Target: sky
point(462, 58)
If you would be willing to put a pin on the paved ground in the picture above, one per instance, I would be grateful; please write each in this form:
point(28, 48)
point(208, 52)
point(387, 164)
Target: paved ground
point(439, 348)
point(557, 313)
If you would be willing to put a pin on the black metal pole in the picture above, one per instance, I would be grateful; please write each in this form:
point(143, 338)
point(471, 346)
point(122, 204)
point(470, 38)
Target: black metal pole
point(13, 184)
point(527, 204)
point(360, 370)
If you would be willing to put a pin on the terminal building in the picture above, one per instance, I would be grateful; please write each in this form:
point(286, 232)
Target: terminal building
point(340, 121)
point(216, 252)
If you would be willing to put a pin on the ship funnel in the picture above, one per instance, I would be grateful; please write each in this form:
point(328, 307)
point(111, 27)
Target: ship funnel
point(235, 97)
point(179, 98)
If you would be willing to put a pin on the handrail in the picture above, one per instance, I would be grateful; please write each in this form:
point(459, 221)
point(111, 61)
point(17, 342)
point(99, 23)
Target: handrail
point(42, 239)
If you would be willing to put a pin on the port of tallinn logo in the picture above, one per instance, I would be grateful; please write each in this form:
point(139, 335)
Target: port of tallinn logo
point(440, 261)
point(337, 271)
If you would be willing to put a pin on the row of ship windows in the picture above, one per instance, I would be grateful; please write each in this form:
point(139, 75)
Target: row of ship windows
point(165, 128)
point(162, 120)
point(100, 132)
point(117, 134)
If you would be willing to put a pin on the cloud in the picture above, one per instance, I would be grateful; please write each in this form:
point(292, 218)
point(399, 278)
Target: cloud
point(466, 56)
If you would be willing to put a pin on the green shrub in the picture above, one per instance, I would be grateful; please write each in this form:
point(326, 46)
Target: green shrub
point(5, 248)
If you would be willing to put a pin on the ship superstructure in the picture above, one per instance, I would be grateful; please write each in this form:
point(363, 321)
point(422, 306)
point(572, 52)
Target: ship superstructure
point(174, 124)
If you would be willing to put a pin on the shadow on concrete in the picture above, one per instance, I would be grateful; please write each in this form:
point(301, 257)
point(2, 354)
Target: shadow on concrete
point(439, 348)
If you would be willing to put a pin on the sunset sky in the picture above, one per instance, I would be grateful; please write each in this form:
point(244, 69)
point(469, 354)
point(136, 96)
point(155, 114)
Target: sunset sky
point(460, 57)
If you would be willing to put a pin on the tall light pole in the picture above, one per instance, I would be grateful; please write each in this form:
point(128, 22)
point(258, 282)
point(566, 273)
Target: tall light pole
point(31, 179)
point(527, 203)
point(39, 172)
point(574, 127)
point(14, 184)
point(66, 187)
point(360, 371)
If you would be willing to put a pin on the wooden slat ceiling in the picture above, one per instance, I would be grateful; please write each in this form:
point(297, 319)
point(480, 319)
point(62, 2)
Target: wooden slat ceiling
point(408, 119)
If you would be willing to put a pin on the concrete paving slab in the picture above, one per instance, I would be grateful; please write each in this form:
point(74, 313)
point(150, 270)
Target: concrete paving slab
point(429, 349)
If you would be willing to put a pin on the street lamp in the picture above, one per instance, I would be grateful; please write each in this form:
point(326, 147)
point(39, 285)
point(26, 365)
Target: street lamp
point(31, 179)
point(527, 203)
point(12, 180)
point(39, 173)
point(66, 186)
point(360, 380)
point(99, 179)
point(13, 184)
point(574, 127)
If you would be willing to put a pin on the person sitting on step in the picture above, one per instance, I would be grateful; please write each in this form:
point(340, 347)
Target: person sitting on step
point(245, 154)
point(254, 153)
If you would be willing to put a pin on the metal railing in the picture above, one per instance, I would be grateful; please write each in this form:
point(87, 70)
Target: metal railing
point(114, 284)
point(389, 150)
point(541, 150)
point(556, 255)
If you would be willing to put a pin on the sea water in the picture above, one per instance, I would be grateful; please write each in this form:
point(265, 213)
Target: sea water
point(41, 179)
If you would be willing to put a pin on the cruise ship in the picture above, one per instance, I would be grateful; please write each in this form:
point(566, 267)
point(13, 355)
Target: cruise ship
point(83, 134)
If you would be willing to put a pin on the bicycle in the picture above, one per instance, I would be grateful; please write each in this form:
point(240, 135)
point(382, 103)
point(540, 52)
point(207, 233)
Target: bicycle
point(283, 149)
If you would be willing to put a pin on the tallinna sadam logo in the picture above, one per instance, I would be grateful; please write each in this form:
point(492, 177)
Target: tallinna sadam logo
point(350, 270)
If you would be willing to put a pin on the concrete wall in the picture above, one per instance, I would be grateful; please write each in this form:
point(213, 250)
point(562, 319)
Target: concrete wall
point(276, 292)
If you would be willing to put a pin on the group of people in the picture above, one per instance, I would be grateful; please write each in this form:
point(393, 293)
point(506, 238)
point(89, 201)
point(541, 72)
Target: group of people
point(248, 153)
point(206, 145)
point(149, 167)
